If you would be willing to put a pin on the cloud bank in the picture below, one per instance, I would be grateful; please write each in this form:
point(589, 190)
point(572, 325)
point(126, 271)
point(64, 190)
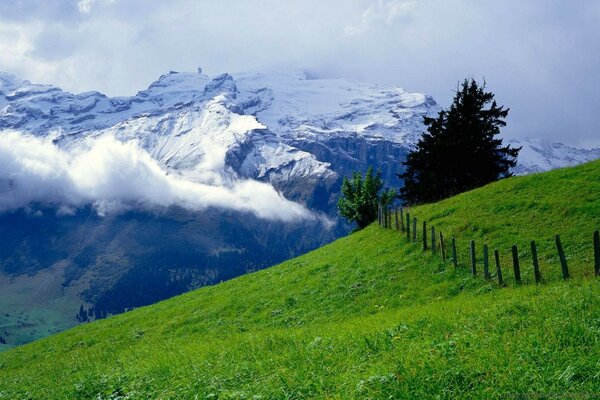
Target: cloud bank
point(540, 57)
point(114, 177)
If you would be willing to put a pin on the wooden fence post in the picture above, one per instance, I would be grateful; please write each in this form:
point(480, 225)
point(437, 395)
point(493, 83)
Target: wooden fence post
point(516, 267)
point(486, 262)
point(379, 215)
point(396, 217)
point(433, 244)
point(408, 227)
point(414, 238)
point(424, 235)
point(536, 265)
point(498, 269)
point(563, 259)
point(442, 247)
point(472, 252)
point(597, 252)
point(454, 256)
point(390, 217)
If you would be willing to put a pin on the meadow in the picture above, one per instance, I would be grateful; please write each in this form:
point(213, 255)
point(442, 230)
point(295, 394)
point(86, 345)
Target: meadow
point(370, 316)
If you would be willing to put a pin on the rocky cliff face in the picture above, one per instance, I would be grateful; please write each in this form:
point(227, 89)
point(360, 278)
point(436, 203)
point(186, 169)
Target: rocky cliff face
point(272, 127)
point(278, 128)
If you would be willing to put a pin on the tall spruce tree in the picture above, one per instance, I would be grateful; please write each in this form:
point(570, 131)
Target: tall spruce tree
point(460, 150)
point(361, 197)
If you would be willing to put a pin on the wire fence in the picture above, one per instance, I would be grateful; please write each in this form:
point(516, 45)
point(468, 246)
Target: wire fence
point(401, 220)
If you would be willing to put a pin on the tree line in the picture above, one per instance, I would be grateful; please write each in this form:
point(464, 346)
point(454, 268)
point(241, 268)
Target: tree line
point(459, 151)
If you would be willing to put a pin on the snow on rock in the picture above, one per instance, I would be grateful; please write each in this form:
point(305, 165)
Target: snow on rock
point(292, 105)
point(540, 155)
point(274, 127)
point(246, 125)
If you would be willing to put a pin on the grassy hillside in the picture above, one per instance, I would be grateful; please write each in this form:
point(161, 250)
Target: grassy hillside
point(368, 317)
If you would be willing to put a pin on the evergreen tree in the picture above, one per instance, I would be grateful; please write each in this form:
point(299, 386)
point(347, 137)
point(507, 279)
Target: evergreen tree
point(460, 150)
point(361, 197)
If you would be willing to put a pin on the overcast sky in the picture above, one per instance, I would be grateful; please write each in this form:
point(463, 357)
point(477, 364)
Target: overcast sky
point(540, 57)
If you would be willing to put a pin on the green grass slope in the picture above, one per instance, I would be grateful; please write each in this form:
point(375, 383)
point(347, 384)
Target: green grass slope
point(367, 317)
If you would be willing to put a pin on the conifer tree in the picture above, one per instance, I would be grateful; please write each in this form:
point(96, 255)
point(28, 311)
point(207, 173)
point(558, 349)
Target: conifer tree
point(460, 150)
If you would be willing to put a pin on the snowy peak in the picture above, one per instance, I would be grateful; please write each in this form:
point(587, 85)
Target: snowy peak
point(42, 108)
point(540, 155)
point(283, 128)
point(316, 109)
point(177, 82)
point(13, 88)
point(288, 104)
point(174, 112)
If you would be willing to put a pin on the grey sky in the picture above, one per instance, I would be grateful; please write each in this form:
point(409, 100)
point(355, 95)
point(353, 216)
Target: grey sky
point(540, 57)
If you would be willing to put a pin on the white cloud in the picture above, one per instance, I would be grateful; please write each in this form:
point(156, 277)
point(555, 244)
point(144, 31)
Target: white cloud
point(386, 12)
point(116, 176)
point(541, 58)
point(85, 6)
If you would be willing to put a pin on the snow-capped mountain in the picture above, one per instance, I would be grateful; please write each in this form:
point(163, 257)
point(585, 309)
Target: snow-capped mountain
point(292, 105)
point(207, 154)
point(281, 128)
point(540, 155)
point(290, 132)
point(298, 133)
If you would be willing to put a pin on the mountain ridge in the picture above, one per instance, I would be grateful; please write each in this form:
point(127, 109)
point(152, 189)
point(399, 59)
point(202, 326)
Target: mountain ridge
point(274, 146)
point(297, 108)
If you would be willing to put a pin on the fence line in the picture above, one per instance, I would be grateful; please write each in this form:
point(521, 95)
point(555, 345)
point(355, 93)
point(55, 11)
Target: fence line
point(536, 265)
point(516, 265)
point(563, 259)
point(401, 221)
point(443, 247)
point(498, 269)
